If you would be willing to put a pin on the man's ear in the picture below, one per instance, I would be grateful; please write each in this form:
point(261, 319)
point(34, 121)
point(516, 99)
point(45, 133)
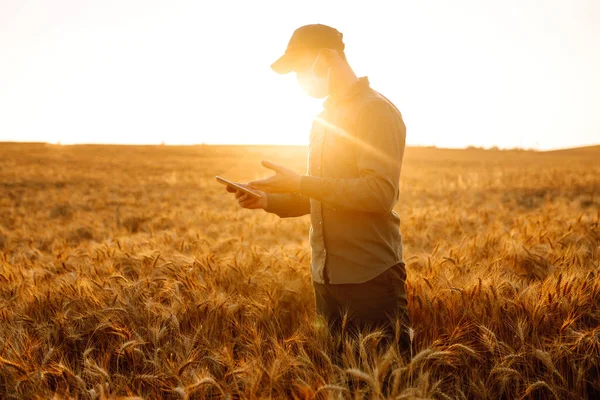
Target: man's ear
point(328, 58)
point(331, 56)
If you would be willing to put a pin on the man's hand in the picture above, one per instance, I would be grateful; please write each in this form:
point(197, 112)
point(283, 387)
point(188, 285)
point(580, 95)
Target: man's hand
point(284, 181)
point(247, 201)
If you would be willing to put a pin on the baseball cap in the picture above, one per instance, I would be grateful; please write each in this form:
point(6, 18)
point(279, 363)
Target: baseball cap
point(307, 37)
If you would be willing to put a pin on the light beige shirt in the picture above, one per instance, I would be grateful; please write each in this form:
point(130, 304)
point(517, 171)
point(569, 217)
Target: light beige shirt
point(355, 157)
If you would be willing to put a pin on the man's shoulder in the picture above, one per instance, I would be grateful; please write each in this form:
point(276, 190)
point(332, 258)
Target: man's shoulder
point(373, 101)
point(375, 108)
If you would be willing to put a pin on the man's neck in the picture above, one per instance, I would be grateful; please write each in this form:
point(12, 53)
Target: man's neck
point(346, 79)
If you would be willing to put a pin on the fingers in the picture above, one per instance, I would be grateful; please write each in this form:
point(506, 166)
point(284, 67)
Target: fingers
point(263, 184)
point(256, 185)
point(250, 202)
point(271, 165)
point(243, 197)
point(232, 189)
point(247, 201)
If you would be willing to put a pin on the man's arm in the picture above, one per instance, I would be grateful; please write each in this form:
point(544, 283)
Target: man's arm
point(287, 205)
point(380, 140)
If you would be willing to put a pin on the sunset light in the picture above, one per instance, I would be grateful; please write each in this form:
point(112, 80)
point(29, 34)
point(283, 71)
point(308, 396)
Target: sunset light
point(309, 199)
point(507, 74)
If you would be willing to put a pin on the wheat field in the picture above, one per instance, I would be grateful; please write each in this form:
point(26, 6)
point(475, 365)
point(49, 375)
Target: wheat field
point(129, 272)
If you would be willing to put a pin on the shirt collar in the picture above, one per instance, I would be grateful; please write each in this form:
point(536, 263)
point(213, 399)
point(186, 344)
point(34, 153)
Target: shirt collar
point(359, 86)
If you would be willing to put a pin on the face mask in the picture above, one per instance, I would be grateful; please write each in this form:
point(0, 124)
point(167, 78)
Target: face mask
point(315, 86)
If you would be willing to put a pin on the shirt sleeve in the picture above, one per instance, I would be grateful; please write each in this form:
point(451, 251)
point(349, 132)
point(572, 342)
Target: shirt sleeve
point(287, 205)
point(379, 143)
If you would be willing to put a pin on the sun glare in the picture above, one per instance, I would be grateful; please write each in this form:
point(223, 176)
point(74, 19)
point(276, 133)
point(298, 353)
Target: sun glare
point(482, 74)
point(285, 111)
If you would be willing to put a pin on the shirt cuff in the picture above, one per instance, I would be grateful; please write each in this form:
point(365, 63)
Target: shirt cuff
point(310, 186)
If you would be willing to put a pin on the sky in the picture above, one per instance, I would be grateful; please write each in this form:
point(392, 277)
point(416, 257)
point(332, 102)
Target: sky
point(514, 73)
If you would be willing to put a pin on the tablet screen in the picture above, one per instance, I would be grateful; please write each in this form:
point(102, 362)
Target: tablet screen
point(238, 187)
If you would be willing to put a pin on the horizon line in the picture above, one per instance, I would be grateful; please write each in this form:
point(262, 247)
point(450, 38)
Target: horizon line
point(469, 147)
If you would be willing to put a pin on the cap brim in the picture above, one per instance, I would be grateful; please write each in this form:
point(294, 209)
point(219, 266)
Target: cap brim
point(284, 64)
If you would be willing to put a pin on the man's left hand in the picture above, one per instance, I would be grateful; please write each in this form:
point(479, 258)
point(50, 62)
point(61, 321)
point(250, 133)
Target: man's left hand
point(284, 181)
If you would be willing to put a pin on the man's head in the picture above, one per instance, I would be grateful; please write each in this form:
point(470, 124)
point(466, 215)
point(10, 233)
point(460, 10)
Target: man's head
point(313, 53)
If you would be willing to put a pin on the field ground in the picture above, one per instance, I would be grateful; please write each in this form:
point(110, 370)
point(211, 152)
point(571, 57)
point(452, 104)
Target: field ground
point(128, 271)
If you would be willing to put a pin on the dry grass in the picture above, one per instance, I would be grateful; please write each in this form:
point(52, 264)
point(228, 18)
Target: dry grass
point(127, 272)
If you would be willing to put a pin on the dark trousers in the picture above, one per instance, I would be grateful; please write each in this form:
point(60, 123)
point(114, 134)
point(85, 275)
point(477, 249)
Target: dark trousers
point(377, 303)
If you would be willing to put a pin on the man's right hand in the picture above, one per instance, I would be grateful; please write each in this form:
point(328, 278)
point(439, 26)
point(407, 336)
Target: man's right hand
point(247, 201)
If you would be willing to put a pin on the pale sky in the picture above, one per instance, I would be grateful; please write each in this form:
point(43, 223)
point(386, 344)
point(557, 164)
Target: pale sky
point(463, 72)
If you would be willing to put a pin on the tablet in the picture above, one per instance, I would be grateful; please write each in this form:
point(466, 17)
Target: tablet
point(237, 186)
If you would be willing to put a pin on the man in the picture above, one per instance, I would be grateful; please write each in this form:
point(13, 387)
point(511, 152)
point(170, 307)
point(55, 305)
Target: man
point(355, 156)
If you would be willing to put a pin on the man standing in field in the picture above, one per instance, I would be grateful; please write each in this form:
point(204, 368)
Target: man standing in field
point(355, 156)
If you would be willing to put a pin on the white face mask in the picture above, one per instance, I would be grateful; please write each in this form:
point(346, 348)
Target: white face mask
point(314, 85)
